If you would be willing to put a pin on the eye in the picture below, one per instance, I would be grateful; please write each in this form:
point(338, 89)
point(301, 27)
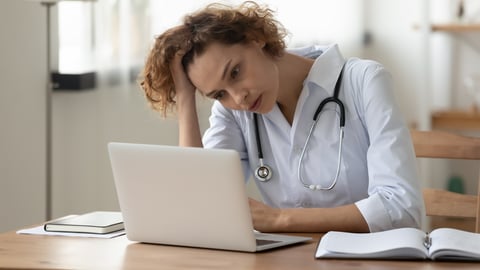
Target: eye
point(235, 71)
point(219, 95)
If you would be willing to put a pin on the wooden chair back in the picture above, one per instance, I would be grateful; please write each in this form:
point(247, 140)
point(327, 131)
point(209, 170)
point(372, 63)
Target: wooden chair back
point(442, 144)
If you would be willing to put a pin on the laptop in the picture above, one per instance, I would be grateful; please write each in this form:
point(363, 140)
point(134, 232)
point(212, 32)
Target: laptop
point(185, 196)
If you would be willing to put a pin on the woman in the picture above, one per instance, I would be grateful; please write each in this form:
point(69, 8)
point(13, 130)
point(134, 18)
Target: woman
point(362, 180)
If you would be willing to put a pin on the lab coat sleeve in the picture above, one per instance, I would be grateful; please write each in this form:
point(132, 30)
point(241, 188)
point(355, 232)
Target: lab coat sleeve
point(225, 133)
point(395, 198)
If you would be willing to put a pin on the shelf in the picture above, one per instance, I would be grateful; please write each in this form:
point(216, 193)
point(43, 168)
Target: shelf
point(457, 120)
point(456, 27)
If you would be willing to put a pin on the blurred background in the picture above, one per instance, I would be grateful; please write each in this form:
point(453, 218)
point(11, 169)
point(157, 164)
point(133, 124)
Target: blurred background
point(53, 134)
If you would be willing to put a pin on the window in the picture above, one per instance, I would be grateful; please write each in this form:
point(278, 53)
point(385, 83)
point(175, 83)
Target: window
point(75, 37)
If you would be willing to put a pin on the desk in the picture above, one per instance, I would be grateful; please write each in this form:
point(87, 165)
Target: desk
point(57, 252)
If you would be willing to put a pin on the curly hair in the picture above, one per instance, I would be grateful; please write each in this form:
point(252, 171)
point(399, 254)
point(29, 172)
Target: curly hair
point(215, 23)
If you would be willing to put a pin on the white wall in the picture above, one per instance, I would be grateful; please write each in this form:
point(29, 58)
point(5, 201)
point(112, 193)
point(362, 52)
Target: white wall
point(22, 113)
point(397, 45)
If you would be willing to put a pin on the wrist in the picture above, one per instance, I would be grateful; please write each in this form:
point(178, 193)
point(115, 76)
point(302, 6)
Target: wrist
point(185, 102)
point(284, 220)
point(185, 97)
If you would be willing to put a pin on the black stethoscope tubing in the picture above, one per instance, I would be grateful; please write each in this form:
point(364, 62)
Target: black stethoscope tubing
point(264, 173)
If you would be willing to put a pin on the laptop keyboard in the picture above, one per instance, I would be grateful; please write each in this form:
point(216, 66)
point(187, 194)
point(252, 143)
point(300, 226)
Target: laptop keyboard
point(261, 242)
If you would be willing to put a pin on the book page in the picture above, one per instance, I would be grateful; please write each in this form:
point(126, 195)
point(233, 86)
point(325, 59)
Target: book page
point(453, 244)
point(97, 219)
point(397, 243)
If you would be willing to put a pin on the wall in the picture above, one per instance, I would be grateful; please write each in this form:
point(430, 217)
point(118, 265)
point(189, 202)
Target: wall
point(22, 113)
point(397, 45)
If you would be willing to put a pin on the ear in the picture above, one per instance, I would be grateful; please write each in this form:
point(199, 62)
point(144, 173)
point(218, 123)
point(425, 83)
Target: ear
point(260, 43)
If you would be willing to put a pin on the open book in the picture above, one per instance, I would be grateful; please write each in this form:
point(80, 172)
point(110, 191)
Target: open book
point(404, 243)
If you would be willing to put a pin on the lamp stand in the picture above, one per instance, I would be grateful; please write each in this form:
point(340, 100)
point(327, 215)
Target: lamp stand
point(48, 119)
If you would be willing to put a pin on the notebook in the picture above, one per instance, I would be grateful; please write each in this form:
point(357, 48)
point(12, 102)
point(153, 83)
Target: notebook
point(99, 222)
point(187, 197)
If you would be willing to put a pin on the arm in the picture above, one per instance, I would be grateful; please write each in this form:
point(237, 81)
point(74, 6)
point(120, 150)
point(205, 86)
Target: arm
point(342, 218)
point(188, 126)
point(395, 198)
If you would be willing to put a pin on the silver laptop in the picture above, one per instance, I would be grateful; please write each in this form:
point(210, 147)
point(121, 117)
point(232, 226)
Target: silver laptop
point(187, 197)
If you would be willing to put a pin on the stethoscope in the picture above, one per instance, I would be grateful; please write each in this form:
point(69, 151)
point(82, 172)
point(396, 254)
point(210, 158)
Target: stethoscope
point(263, 172)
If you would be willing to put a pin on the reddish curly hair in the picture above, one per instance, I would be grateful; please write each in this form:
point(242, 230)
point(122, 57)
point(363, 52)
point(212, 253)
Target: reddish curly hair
point(215, 23)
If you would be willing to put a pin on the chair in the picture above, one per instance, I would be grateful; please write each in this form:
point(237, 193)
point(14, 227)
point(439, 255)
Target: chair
point(441, 144)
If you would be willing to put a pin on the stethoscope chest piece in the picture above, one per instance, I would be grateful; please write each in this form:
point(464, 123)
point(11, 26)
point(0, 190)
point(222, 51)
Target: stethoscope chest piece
point(263, 173)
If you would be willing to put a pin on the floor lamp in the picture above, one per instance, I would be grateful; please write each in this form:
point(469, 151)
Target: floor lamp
point(48, 4)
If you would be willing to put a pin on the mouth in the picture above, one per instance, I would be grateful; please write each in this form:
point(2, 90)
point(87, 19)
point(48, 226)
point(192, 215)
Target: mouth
point(256, 104)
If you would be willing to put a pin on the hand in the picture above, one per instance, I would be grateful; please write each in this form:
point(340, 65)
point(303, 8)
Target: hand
point(183, 85)
point(265, 218)
point(188, 128)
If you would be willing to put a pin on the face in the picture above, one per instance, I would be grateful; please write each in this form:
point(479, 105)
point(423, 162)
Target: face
point(240, 76)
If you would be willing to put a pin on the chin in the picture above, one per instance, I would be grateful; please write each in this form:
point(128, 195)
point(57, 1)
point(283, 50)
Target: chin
point(268, 108)
point(265, 110)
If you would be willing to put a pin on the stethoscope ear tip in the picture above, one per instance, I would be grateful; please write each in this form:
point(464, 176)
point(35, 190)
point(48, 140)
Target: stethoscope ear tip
point(313, 187)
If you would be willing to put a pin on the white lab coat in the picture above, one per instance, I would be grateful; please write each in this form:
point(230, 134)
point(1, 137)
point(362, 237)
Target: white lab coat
point(378, 169)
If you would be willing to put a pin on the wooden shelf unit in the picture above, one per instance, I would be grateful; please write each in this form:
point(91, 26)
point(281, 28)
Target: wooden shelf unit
point(457, 120)
point(456, 27)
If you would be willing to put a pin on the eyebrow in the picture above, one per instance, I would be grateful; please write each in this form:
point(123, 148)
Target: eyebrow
point(225, 70)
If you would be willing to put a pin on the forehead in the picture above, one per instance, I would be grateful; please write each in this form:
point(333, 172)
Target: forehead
point(213, 56)
point(217, 51)
point(208, 67)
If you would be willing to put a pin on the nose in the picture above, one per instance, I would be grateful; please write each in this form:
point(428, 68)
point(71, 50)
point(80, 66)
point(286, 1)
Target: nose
point(240, 97)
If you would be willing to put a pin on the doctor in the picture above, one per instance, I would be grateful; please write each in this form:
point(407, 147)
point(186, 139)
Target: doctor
point(314, 175)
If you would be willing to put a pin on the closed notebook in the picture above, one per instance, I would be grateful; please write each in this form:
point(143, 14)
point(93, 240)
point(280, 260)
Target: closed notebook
point(404, 243)
point(99, 222)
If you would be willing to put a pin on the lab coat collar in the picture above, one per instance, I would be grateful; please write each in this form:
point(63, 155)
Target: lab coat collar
point(324, 72)
point(326, 69)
